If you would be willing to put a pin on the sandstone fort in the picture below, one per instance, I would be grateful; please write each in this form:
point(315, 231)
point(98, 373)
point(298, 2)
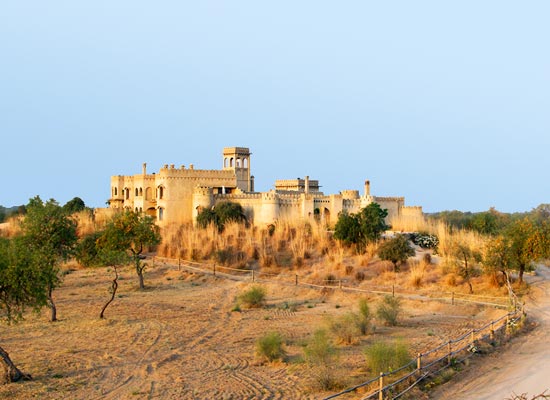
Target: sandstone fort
point(175, 195)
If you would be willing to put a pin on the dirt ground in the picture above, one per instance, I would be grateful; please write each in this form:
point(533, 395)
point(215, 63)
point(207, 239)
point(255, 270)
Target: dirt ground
point(522, 367)
point(180, 339)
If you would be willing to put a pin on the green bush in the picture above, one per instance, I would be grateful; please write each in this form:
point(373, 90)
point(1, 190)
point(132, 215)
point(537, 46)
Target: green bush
point(364, 321)
point(322, 359)
point(345, 328)
point(253, 297)
point(389, 310)
point(270, 347)
point(386, 357)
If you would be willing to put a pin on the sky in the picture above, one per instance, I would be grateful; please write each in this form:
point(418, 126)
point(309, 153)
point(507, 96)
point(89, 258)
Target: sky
point(446, 103)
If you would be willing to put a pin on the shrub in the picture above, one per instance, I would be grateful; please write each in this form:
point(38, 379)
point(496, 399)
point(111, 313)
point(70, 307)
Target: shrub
point(253, 297)
point(389, 310)
point(364, 321)
point(425, 240)
point(322, 358)
point(385, 357)
point(270, 347)
point(359, 276)
point(345, 327)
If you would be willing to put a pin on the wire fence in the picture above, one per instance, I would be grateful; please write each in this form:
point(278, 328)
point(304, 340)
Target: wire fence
point(393, 384)
point(344, 285)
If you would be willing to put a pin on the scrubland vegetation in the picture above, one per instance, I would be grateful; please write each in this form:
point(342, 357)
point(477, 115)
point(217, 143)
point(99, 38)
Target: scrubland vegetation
point(484, 255)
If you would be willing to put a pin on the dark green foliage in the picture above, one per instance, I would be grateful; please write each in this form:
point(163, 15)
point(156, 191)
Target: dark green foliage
point(364, 320)
point(253, 297)
point(129, 233)
point(87, 250)
point(21, 282)
point(222, 213)
point(74, 205)
point(397, 250)
point(385, 357)
point(270, 346)
point(364, 227)
point(389, 310)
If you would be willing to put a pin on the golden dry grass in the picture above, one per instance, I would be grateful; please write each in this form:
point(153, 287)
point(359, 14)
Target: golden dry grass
point(180, 339)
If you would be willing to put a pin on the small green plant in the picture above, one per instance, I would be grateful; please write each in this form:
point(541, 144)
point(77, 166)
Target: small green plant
point(389, 310)
point(386, 357)
point(253, 297)
point(236, 308)
point(270, 347)
point(322, 358)
point(364, 320)
point(345, 328)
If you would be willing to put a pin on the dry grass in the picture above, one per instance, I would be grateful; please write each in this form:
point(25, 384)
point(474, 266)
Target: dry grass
point(179, 338)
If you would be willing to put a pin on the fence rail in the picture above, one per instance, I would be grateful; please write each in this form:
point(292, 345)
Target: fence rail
point(426, 364)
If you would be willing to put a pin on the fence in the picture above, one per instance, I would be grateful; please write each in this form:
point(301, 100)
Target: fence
point(341, 284)
point(394, 384)
point(435, 360)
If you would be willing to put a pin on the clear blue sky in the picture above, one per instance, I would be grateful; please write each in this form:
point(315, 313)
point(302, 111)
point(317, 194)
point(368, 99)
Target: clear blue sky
point(445, 103)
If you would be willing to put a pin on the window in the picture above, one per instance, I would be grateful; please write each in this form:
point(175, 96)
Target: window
point(127, 191)
point(161, 192)
point(141, 191)
point(115, 191)
point(161, 213)
point(137, 192)
point(148, 193)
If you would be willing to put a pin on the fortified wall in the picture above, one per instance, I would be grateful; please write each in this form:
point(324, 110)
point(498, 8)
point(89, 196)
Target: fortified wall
point(176, 195)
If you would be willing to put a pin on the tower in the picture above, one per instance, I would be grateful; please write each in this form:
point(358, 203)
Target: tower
point(238, 160)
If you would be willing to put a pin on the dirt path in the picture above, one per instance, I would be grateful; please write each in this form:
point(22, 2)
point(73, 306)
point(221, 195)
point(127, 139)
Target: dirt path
point(522, 367)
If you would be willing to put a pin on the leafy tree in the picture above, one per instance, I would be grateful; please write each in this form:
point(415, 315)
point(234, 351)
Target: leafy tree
point(397, 250)
point(466, 258)
point(364, 227)
point(373, 223)
point(49, 235)
point(74, 205)
point(527, 242)
point(21, 287)
point(2, 214)
point(485, 223)
point(222, 213)
point(131, 232)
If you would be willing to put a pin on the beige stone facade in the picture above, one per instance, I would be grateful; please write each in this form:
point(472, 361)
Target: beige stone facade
point(177, 194)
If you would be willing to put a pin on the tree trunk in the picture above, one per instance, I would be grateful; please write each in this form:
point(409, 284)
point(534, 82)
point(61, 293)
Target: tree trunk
point(8, 371)
point(53, 308)
point(114, 287)
point(520, 277)
point(140, 275)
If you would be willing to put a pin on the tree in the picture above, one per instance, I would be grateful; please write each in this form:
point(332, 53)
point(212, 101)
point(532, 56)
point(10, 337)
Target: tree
point(75, 205)
point(21, 287)
point(49, 235)
point(131, 232)
point(364, 227)
point(373, 224)
point(397, 250)
point(466, 258)
point(527, 242)
point(222, 213)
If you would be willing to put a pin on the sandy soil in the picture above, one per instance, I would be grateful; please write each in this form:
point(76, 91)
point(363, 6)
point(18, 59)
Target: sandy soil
point(180, 339)
point(522, 367)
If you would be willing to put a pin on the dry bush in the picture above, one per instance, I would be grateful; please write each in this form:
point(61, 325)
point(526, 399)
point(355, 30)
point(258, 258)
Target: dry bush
point(416, 274)
point(405, 223)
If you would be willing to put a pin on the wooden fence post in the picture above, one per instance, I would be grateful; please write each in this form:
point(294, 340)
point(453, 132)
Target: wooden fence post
point(153, 261)
point(381, 386)
point(340, 284)
point(449, 355)
point(392, 290)
point(453, 298)
point(419, 362)
point(214, 269)
point(179, 264)
point(472, 337)
point(252, 275)
point(296, 279)
point(492, 333)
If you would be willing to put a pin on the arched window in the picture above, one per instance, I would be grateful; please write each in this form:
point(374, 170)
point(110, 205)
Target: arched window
point(238, 163)
point(245, 163)
point(225, 162)
point(231, 162)
point(127, 191)
point(115, 191)
point(161, 213)
point(141, 191)
point(137, 192)
point(148, 193)
point(161, 192)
